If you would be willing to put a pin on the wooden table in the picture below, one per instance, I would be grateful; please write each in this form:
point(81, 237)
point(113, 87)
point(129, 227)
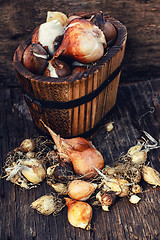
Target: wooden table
point(138, 100)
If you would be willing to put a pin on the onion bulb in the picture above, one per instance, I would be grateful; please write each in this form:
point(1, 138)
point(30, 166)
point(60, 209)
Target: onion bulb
point(83, 156)
point(85, 161)
point(82, 41)
point(81, 190)
point(79, 213)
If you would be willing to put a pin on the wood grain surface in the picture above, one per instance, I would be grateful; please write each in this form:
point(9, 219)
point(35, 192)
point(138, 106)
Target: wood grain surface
point(124, 220)
point(138, 99)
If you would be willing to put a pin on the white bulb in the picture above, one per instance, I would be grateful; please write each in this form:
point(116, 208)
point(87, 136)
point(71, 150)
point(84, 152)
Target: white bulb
point(48, 32)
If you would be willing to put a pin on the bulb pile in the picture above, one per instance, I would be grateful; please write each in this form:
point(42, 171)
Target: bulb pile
point(66, 45)
point(75, 171)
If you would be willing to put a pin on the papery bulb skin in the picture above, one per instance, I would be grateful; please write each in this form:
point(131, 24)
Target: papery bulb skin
point(33, 170)
point(57, 68)
point(46, 34)
point(78, 143)
point(151, 176)
point(59, 16)
point(44, 205)
point(83, 41)
point(83, 162)
point(139, 157)
point(81, 190)
point(72, 17)
point(79, 213)
point(65, 145)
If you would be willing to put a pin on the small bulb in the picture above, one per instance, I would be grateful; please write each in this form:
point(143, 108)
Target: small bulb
point(150, 175)
point(30, 154)
point(60, 188)
point(136, 188)
point(134, 149)
point(106, 199)
point(121, 186)
point(79, 213)
point(59, 16)
point(134, 199)
point(33, 171)
point(45, 205)
point(81, 190)
point(50, 171)
point(110, 170)
point(109, 127)
point(27, 145)
point(139, 157)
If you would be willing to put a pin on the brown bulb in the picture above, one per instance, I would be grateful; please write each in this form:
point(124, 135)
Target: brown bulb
point(57, 68)
point(107, 27)
point(106, 199)
point(110, 33)
point(35, 58)
point(84, 157)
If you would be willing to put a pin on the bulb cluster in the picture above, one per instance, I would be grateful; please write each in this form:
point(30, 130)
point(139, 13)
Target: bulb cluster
point(68, 45)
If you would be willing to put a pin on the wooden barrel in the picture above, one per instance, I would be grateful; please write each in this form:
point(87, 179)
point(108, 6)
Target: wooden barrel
point(74, 105)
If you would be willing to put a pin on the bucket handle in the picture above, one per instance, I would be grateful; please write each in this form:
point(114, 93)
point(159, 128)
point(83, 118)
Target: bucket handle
point(29, 99)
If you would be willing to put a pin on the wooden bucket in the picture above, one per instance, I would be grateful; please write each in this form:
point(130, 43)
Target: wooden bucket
point(74, 105)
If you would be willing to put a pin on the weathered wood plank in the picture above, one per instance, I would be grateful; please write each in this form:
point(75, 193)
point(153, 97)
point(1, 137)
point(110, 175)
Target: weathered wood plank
point(124, 220)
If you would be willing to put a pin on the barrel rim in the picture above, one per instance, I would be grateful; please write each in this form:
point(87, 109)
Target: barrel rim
point(22, 70)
